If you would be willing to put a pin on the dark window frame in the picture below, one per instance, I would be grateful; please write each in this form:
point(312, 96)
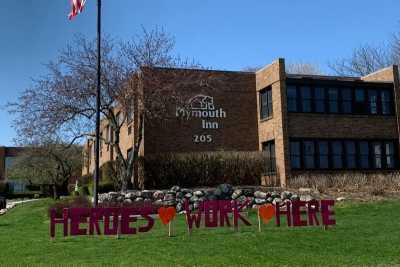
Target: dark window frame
point(357, 142)
point(269, 148)
point(352, 86)
point(268, 104)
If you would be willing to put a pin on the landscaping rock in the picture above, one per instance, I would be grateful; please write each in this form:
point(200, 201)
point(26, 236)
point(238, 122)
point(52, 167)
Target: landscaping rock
point(237, 193)
point(198, 193)
point(226, 189)
point(260, 194)
point(295, 197)
point(175, 188)
point(260, 201)
point(158, 194)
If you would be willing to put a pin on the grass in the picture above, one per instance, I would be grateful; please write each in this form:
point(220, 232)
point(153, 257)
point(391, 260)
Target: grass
point(366, 234)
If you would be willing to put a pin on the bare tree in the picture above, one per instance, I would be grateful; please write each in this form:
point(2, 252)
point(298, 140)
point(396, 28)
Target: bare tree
point(61, 105)
point(52, 164)
point(366, 58)
point(303, 68)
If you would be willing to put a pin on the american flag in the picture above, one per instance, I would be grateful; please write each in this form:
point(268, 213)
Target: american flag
point(76, 8)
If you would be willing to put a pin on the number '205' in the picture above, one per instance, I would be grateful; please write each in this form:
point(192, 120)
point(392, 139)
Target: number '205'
point(202, 138)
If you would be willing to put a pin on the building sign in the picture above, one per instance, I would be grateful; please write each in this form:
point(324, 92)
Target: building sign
point(202, 107)
point(210, 214)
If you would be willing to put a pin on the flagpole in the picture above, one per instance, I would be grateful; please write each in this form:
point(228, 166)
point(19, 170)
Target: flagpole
point(97, 159)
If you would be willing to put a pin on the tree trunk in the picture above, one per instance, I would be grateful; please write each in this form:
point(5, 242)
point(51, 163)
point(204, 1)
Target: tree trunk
point(55, 192)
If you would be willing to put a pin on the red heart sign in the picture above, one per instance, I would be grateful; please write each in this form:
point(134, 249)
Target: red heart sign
point(266, 212)
point(166, 214)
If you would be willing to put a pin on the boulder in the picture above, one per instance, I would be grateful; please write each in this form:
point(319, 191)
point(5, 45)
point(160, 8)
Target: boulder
point(286, 195)
point(188, 195)
point(237, 193)
point(260, 194)
point(147, 194)
point(295, 197)
point(277, 201)
point(226, 189)
point(175, 188)
point(198, 193)
point(260, 201)
point(158, 194)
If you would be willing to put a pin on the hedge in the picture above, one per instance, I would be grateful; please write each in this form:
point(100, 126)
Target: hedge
point(203, 169)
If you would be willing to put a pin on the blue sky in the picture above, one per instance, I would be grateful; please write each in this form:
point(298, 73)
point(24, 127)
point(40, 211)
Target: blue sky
point(218, 33)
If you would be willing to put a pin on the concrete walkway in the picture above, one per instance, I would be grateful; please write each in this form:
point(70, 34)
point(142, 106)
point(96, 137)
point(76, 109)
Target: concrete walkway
point(13, 203)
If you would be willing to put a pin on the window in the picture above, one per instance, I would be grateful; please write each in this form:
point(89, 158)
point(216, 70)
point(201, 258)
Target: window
point(333, 100)
point(359, 105)
point(377, 155)
point(386, 102)
point(364, 154)
point(306, 98)
point(373, 101)
point(347, 100)
point(266, 103)
point(295, 155)
point(319, 94)
point(323, 151)
point(351, 155)
point(389, 151)
point(343, 154)
point(292, 98)
point(337, 155)
point(309, 154)
point(269, 149)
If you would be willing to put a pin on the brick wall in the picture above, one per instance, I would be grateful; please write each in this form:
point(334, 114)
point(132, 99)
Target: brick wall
point(275, 128)
point(233, 92)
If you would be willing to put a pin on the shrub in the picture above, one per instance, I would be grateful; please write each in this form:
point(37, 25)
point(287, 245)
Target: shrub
point(203, 169)
point(72, 202)
point(371, 182)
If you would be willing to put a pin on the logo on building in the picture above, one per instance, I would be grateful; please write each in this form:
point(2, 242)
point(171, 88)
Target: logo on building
point(202, 102)
point(202, 107)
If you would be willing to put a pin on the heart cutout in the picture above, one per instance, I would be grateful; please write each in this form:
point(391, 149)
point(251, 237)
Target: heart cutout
point(266, 212)
point(166, 214)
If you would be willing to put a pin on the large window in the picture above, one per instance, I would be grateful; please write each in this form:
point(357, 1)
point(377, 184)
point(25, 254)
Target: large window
point(351, 154)
point(333, 97)
point(323, 154)
point(337, 155)
point(364, 155)
point(386, 102)
point(377, 155)
point(306, 98)
point(292, 98)
point(266, 103)
point(295, 155)
point(319, 99)
point(359, 105)
point(269, 149)
point(347, 100)
point(389, 151)
point(340, 100)
point(309, 154)
point(373, 101)
point(343, 154)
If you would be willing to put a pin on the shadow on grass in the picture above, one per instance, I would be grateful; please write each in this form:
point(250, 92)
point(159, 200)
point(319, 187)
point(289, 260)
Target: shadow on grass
point(4, 224)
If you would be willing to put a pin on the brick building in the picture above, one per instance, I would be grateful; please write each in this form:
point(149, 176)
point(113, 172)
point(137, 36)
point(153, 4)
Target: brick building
point(307, 123)
point(7, 154)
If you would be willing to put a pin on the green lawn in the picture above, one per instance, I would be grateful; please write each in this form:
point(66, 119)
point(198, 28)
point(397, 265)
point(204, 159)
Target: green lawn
point(365, 234)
